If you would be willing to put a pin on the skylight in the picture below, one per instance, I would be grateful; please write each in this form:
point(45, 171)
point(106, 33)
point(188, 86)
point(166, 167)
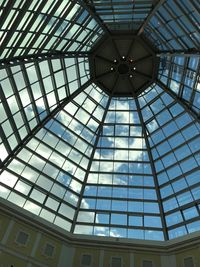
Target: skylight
point(92, 147)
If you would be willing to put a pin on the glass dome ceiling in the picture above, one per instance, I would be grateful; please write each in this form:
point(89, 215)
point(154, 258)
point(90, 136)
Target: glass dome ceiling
point(86, 160)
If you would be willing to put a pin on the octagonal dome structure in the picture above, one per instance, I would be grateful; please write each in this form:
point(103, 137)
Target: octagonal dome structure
point(123, 65)
point(100, 115)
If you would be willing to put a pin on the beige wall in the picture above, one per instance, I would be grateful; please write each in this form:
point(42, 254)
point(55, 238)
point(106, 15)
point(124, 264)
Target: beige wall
point(69, 250)
point(195, 253)
point(150, 256)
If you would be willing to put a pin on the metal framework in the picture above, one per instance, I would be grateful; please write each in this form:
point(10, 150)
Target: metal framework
point(89, 162)
point(186, 53)
point(150, 15)
point(40, 57)
point(41, 124)
point(164, 226)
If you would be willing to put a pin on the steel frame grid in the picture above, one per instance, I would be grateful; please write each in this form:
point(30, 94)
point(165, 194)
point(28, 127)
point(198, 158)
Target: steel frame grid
point(184, 71)
point(31, 134)
point(122, 9)
point(174, 17)
point(13, 155)
point(117, 212)
point(23, 71)
point(188, 205)
point(42, 27)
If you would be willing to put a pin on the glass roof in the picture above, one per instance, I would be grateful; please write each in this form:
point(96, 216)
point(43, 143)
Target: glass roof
point(122, 15)
point(181, 74)
point(175, 26)
point(87, 161)
point(31, 27)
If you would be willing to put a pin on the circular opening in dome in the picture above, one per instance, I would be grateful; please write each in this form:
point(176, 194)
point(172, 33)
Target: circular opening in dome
point(123, 69)
point(116, 59)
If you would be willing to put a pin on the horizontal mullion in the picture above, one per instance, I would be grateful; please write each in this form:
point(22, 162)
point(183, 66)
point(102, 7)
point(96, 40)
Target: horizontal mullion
point(57, 151)
point(179, 162)
point(184, 223)
point(98, 185)
point(183, 207)
point(173, 149)
point(122, 199)
point(175, 194)
point(145, 228)
point(34, 184)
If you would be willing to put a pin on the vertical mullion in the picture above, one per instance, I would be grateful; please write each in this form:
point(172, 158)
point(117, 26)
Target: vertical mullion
point(65, 77)
point(166, 237)
point(197, 79)
point(91, 158)
point(45, 23)
point(89, 166)
point(30, 93)
point(35, 130)
point(186, 61)
point(77, 72)
point(40, 80)
point(13, 28)
point(53, 78)
point(5, 142)
point(10, 116)
point(61, 19)
point(28, 27)
point(16, 94)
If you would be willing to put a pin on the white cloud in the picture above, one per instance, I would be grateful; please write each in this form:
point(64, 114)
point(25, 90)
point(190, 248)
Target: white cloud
point(101, 231)
point(71, 198)
point(175, 86)
point(121, 142)
point(4, 192)
point(85, 204)
point(122, 105)
point(73, 11)
point(86, 216)
point(8, 178)
point(114, 233)
point(75, 186)
point(4, 153)
point(32, 207)
point(95, 93)
point(69, 167)
point(198, 86)
point(152, 125)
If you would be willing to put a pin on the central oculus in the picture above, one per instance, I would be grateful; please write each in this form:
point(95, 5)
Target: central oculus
point(123, 68)
point(123, 65)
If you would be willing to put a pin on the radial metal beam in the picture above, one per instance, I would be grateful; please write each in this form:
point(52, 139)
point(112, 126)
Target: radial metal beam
point(91, 158)
point(34, 131)
point(103, 74)
point(194, 87)
point(91, 9)
point(189, 18)
point(166, 237)
point(41, 29)
point(27, 28)
point(151, 14)
point(143, 74)
point(40, 57)
point(6, 11)
point(181, 53)
point(140, 60)
point(56, 28)
point(180, 25)
point(179, 100)
point(22, 11)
